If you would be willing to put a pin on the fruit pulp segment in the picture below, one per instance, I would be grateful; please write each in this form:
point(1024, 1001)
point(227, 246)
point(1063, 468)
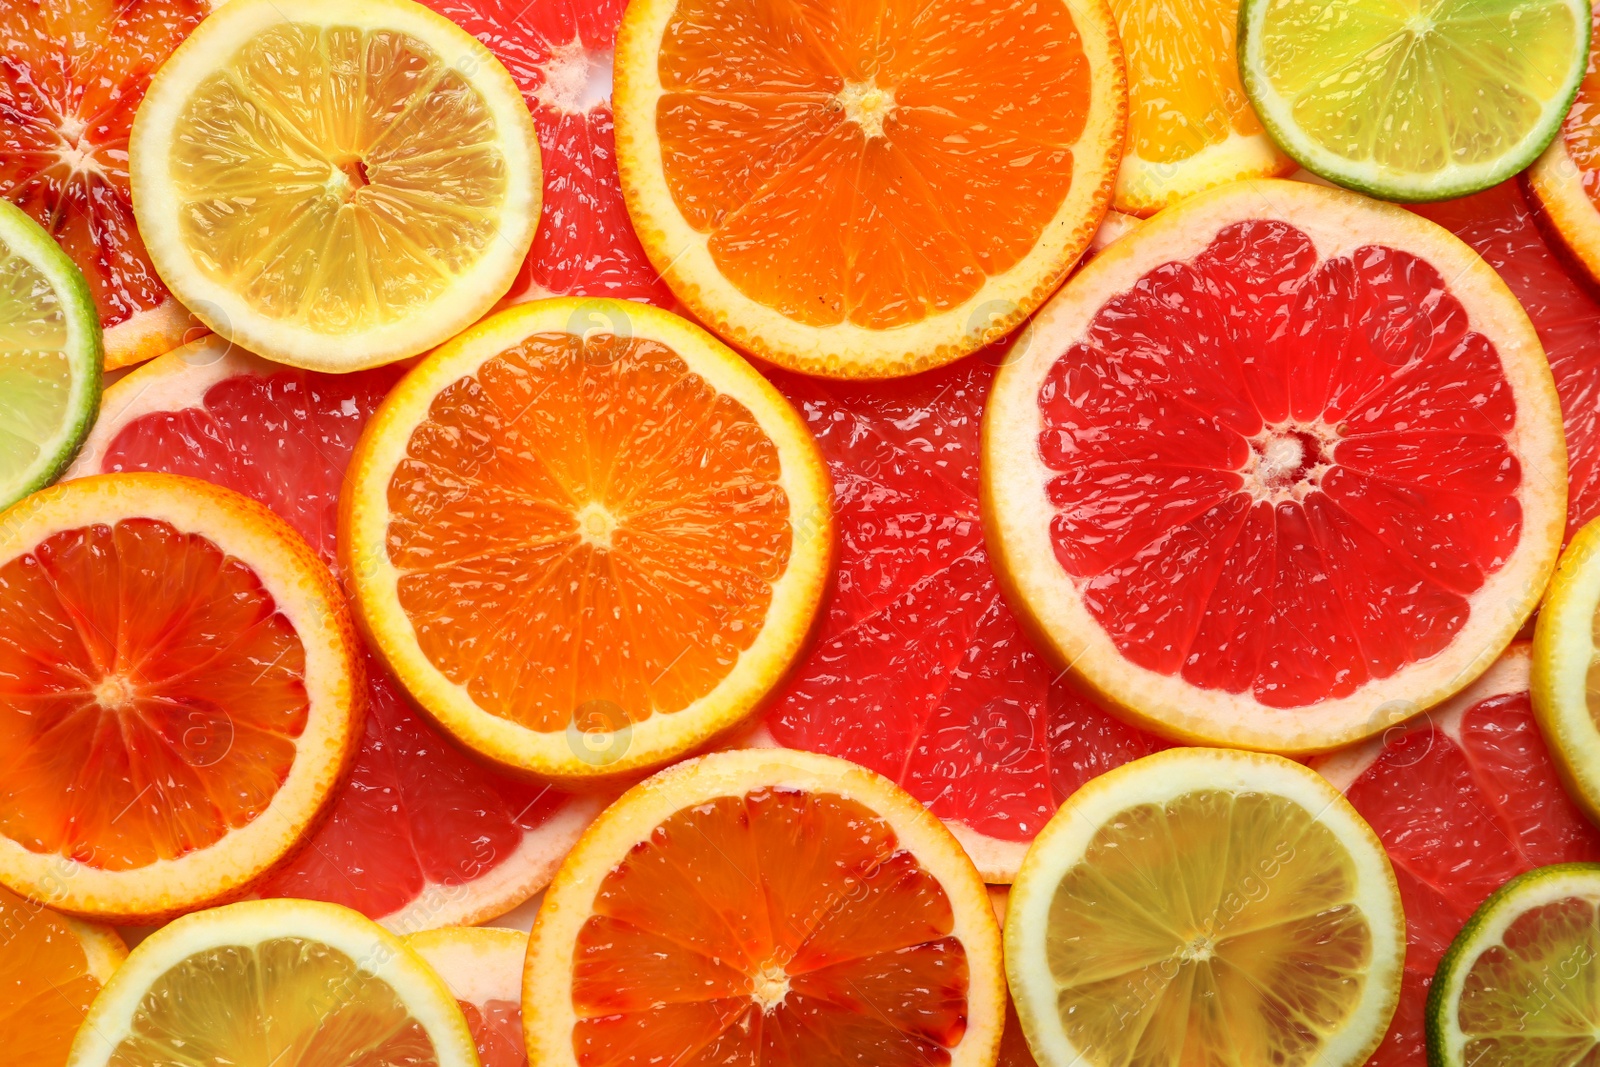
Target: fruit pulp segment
point(153, 694)
point(1581, 131)
point(873, 161)
point(45, 984)
point(1211, 921)
point(1429, 57)
point(1277, 475)
point(920, 671)
point(586, 532)
point(496, 1027)
point(74, 75)
point(1460, 813)
point(35, 375)
point(778, 927)
point(371, 164)
point(283, 1000)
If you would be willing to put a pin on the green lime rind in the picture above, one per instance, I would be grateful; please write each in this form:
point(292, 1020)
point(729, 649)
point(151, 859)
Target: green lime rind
point(1518, 64)
point(1537, 998)
point(52, 357)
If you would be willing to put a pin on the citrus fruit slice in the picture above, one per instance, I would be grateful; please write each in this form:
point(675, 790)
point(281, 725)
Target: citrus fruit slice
point(482, 967)
point(861, 190)
point(74, 75)
point(920, 670)
point(1565, 182)
point(586, 537)
point(50, 357)
point(183, 691)
point(334, 186)
point(1281, 468)
point(274, 981)
point(51, 968)
point(1463, 799)
point(1408, 101)
point(560, 55)
point(1205, 906)
point(1500, 227)
point(765, 907)
point(419, 835)
point(1190, 125)
point(1565, 691)
point(1518, 984)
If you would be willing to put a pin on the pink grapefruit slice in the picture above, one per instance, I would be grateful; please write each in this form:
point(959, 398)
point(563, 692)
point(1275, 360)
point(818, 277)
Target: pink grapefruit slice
point(420, 835)
point(1463, 799)
point(482, 968)
point(920, 671)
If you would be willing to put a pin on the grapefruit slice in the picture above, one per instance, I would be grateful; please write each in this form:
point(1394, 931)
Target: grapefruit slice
point(51, 968)
point(1205, 906)
point(1279, 469)
point(862, 190)
point(586, 550)
point(334, 186)
point(74, 75)
point(560, 56)
point(765, 907)
point(1462, 799)
point(183, 692)
point(1565, 180)
point(482, 967)
point(420, 835)
point(920, 670)
point(291, 981)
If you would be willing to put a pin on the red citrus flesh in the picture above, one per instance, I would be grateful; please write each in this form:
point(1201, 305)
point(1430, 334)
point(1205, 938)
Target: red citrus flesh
point(496, 1029)
point(1500, 225)
point(1289, 429)
point(920, 671)
point(560, 56)
point(72, 74)
point(415, 812)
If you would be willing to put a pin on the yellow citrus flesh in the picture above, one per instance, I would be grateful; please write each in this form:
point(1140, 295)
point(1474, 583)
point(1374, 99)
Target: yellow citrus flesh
point(1566, 668)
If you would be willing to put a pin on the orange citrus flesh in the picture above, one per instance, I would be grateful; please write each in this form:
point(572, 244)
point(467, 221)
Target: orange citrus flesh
point(1178, 53)
point(153, 695)
point(47, 982)
point(869, 162)
point(1581, 131)
point(561, 525)
point(845, 954)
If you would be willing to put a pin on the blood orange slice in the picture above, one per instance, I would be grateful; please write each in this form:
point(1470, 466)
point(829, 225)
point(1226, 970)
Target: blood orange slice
point(182, 693)
point(482, 967)
point(1279, 469)
point(920, 671)
point(51, 968)
point(1463, 800)
point(765, 907)
point(75, 72)
point(420, 835)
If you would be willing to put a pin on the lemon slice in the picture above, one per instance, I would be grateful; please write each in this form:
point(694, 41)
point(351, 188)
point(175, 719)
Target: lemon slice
point(1566, 668)
point(1205, 906)
point(335, 184)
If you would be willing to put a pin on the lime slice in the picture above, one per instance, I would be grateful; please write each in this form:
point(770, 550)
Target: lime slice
point(1413, 99)
point(1565, 678)
point(50, 357)
point(1520, 984)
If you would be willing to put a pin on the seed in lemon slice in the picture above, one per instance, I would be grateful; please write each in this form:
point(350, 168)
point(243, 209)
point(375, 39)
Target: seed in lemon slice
point(482, 967)
point(587, 537)
point(765, 907)
point(861, 190)
point(1566, 697)
point(271, 982)
point(183, 691)
point(1406, 101)
point(1565, 181)
point(334, 184)
point(51, 968)
point(1205, 906)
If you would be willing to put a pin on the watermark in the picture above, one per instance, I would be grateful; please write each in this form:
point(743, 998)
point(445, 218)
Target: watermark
point(599, 732)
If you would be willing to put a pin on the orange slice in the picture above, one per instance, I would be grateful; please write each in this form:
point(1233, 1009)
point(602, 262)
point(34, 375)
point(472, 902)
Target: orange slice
point(765, 907)
point(1282, 467)
point(586, 537)
point(482, 966)
point(51, 968)
point(1565, 180)
point(182, 691)
point(864, 189)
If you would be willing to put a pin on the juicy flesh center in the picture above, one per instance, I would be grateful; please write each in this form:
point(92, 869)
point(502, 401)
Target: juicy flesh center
point(866, 105)
point(577, 79)
point(1288, 461)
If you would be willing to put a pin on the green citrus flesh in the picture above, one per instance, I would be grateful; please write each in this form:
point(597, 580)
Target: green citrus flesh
point(1413, 99)
point(1520, 985)
point(51, 358)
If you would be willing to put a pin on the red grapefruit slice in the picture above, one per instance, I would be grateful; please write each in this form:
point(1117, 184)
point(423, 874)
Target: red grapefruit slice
point(559, 52)
point(73, 75)
point(1464, 799)
point(920, 670)
point(420, 835)
point(482, 967)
